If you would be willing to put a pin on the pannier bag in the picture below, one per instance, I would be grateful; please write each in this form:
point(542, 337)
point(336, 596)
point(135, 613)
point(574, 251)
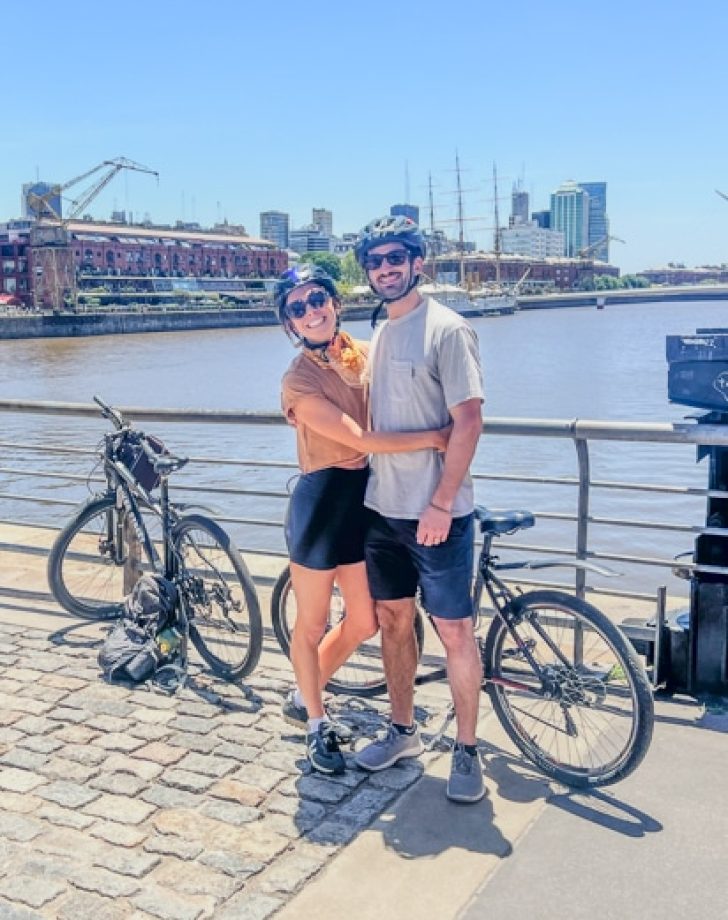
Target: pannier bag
point(131, 651)
point(131, 453)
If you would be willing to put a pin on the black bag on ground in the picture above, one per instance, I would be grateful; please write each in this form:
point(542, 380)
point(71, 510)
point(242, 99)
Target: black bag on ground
point(130, 651)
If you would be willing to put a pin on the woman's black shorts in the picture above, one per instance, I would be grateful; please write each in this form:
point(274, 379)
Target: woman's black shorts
point(326, 520)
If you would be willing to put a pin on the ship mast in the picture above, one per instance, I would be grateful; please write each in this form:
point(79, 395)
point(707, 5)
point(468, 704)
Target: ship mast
point(460, 219)
point(497, 232)
point(432, 225)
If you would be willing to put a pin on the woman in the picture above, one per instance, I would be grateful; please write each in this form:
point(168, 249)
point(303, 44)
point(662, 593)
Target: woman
point(324, 395)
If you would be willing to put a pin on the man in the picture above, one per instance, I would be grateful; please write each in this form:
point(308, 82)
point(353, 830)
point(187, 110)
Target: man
point(424, 371)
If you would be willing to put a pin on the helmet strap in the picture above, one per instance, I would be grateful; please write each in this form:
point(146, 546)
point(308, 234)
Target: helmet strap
point(322, 346)
point(413, 282)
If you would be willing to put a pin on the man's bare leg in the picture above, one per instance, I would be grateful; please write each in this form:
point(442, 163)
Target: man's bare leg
point(399, 653)
point(464, 672)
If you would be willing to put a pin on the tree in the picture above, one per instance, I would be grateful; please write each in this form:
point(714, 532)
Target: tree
point(327, 260)
point(351, 271)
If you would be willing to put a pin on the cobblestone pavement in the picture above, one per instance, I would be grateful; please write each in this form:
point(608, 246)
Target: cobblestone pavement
point(120, 802)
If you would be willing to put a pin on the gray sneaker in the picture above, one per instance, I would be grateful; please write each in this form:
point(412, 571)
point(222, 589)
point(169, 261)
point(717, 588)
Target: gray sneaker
point(388, 749)
point(296, 715)
point(466, 777)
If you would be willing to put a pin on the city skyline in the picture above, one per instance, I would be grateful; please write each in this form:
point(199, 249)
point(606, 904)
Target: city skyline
point(232, 136)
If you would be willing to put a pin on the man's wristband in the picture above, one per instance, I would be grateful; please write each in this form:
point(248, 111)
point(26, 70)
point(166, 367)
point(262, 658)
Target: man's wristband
point(440, 508)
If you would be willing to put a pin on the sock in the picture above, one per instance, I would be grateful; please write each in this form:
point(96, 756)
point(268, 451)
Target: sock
point(471, 749)
point(297, 698)
point(313, 725)
point(404, 729)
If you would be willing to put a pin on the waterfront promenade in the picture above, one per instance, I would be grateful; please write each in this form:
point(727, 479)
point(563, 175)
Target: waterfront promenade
point(125, 803)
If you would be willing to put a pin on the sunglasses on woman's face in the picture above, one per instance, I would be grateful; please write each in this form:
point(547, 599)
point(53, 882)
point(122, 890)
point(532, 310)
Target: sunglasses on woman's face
point(396, 257)
point(297, 309)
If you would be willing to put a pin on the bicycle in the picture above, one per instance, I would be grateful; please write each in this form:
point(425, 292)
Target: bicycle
point(117, 535)
point(564, 682)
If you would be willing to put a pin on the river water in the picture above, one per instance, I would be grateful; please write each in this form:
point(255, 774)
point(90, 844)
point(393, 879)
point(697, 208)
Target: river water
point(567, 363)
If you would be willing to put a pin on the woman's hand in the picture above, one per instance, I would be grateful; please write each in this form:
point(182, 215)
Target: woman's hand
point(441, 437)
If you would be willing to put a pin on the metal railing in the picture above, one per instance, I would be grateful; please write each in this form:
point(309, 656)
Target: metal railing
point(582, 433)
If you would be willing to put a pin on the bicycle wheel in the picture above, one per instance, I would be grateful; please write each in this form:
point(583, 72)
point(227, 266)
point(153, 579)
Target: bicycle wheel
point(89, 573)
point(587, 721)
point(363, 673)
point(222, 603)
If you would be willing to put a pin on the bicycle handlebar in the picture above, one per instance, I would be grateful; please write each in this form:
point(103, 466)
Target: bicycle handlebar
point(113, 415)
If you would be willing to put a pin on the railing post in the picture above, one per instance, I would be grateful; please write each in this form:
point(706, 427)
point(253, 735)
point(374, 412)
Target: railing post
point(582, 513)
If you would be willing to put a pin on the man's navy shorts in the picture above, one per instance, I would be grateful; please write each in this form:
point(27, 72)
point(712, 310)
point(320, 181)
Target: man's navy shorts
point(326, 521)
point(397, 564)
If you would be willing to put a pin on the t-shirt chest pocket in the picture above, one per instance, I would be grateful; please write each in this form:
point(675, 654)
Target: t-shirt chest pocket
point(400, 378)
point(404, 377)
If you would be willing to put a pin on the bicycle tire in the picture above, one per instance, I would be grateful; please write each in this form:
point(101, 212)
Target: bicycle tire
point(596, 725)
point(222, 603)
point(82, 577)
point(363, 674)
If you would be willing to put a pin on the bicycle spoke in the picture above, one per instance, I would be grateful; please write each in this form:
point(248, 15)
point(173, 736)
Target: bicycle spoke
point(580, 715)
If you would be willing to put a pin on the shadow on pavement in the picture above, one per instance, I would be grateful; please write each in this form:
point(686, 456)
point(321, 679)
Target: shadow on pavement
point(445, 826)
point(607, 811)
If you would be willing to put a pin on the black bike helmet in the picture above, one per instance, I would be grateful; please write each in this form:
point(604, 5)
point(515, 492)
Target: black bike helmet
point(297, 276)
point(390, 229)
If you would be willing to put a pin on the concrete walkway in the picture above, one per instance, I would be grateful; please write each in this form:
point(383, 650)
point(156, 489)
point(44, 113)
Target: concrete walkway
point(124, 803)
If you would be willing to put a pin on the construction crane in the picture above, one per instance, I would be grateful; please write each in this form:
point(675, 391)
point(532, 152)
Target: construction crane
point(53, 266)
point(41, 204)
point(722, 194)
point(590, 250)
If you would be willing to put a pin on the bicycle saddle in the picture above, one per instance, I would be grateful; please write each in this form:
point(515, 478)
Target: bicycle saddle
point(495, 522)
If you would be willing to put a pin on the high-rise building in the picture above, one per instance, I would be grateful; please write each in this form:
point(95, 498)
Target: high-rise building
point(570, 215)
point(542, 218)
point(324, 220)
point(519, 207)
point(598, 223)
point(31, 204)
point(309, 239)
point(532, 241)
point(274, 227)
point(406, 210)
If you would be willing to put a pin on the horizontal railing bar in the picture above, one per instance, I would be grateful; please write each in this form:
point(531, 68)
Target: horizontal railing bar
point(615, 592)
point(652, 487)
point(37, 500)
point(253, 522)
point(574, 429)
point(138, 413)
point(538, 480)
point(212, 461)
point(44, 474)
point(497, 477)
point(224, 490)
point(179, 487)
point(635, 560)
point(646, 525)
point(48, 448)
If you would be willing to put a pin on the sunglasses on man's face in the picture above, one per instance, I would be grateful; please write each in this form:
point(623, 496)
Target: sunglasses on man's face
point(298, 308)
point(374, 261)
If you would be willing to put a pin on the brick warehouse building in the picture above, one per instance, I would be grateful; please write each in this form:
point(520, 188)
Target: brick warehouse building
point(41, 259)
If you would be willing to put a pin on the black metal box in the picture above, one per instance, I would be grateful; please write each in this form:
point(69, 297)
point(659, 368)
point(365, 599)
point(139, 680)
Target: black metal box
point(698, 369)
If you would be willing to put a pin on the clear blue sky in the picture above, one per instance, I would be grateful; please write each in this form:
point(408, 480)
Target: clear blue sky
point(244, 107)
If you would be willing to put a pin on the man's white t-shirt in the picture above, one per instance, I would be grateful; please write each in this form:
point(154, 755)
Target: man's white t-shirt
point(420, 365)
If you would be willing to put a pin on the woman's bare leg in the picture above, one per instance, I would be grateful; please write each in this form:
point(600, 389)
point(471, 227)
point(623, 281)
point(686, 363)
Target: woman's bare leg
point(359, 624)
point(312, 588)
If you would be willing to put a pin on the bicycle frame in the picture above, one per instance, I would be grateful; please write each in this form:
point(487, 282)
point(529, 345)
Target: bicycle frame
point(130, 497)
point(504, 600)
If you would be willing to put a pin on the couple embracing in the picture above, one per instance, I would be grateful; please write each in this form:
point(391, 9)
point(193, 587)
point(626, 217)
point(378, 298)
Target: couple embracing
point(385, 435)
